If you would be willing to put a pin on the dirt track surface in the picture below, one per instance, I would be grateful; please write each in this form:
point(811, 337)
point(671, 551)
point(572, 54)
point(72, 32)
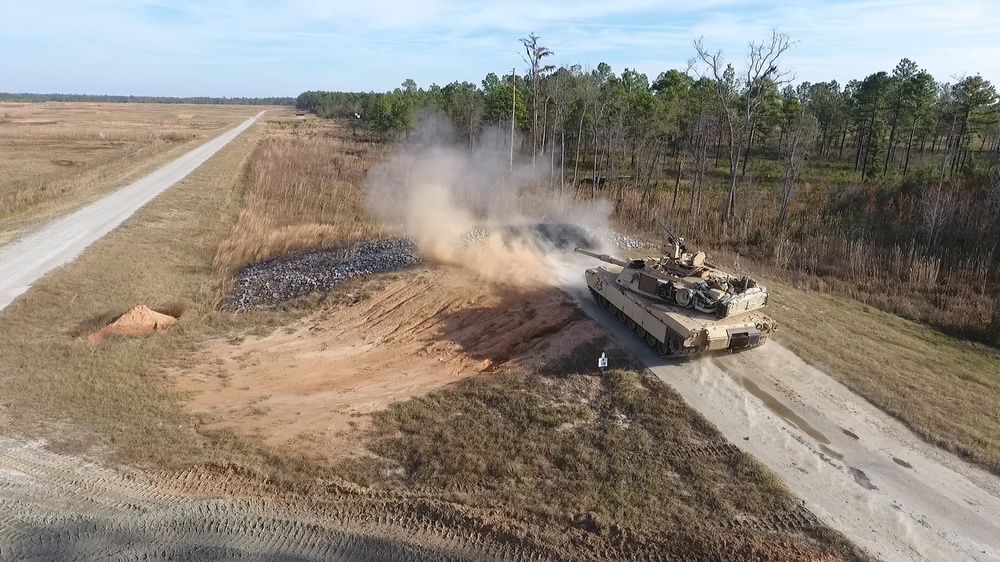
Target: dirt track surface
point(27, 259)
point(55, 507)
point(305, 386)
point(861, 471)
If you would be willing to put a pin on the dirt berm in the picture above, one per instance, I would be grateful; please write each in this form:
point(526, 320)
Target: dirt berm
point(306, 385)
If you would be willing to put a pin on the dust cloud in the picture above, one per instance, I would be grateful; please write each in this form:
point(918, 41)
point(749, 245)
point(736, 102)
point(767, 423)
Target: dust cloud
point(466, 206)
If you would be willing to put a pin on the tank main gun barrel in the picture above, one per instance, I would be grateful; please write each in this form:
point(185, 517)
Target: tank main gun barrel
point(602, 257)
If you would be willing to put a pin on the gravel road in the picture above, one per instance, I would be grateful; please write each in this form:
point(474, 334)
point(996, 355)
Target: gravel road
point(859, 470)
point(28, 258)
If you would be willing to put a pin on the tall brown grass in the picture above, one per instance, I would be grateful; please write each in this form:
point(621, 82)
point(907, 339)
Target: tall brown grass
point(18, 196)
point(302, 191)
point(58, 131)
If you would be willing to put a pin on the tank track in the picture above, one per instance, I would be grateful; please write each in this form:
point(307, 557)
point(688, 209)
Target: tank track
point(672, 349)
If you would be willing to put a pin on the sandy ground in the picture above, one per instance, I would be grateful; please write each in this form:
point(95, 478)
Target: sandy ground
point(27, 259)
point(306, 385)
point(861, 471)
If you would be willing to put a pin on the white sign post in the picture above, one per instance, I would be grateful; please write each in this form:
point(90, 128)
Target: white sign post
point(602, 362)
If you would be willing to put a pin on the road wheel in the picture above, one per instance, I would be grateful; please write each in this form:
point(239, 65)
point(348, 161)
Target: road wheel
point(602, 301)
point(640, 331)
point(662, 349)
point(621, 316)
point(631, 324)
point(677, 348)
point(650, 340)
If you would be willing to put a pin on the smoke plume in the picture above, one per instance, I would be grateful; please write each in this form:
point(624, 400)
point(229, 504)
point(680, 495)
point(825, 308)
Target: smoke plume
point(461, 204)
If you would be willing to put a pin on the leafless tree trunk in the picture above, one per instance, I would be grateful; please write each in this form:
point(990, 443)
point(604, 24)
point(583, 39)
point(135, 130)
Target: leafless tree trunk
point(796, 151)
point(740, 95)
point(534, 55)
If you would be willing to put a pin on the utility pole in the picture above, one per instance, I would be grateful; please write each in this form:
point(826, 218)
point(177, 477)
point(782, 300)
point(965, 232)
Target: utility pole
point(513, 106)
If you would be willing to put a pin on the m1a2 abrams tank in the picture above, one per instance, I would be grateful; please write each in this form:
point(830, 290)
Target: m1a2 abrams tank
point(680, 304)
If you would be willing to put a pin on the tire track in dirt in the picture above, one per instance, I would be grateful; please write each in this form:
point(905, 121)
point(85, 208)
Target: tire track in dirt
point(213, 513)
point(59, 507)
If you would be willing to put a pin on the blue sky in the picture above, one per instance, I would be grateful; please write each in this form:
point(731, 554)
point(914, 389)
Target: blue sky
point(264, 48)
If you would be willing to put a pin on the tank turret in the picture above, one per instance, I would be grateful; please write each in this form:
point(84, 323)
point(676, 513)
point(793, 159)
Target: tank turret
point(682, 301)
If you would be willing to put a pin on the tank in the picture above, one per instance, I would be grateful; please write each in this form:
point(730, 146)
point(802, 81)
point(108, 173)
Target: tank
point(680, 304)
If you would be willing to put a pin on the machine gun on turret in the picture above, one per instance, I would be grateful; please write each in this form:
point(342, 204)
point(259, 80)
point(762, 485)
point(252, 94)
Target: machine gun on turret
point(676, 241)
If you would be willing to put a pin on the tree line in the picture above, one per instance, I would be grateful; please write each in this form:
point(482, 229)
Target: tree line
point(898, 161)
point(99, 98)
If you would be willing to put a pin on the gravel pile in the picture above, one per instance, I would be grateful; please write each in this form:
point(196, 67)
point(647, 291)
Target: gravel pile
point(557, 236)
point(615, 239)
point(300, 273)
point(473, 237)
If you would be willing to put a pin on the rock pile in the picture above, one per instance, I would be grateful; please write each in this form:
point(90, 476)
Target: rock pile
point(300, 273)
point(556, 236)
point(615, 239)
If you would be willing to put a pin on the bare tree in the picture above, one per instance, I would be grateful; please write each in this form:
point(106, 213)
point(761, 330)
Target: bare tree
point(740, 94)
point(804, 130)
point(935, 202)
point(534, 55)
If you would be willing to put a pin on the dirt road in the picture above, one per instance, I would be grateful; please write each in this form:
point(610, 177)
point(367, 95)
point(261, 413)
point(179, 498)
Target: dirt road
point(861, 471)
point(27, 259)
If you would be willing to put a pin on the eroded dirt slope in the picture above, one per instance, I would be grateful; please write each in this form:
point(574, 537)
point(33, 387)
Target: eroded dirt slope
point(304, 386)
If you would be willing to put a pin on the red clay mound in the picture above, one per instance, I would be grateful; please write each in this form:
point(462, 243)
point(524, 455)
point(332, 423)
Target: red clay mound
point(137, 322)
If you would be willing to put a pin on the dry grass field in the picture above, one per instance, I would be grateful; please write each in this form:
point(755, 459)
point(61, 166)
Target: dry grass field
point(302, 192)
point(112, 399)
point(57, 156)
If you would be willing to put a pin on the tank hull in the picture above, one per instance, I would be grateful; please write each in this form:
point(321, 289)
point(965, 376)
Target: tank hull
point(674, 331)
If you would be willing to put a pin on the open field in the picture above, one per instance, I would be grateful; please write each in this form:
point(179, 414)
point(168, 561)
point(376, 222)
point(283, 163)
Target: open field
point(254, 390)
point(302, 192)
point(116, 403)
point(55, 156)
point(108, 400)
